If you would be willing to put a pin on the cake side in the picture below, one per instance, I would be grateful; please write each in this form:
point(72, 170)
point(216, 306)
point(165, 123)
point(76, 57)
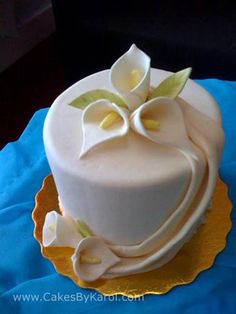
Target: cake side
point(157, 175)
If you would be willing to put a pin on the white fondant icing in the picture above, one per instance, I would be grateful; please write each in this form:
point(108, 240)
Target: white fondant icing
point(159, 169)
point(144, 199)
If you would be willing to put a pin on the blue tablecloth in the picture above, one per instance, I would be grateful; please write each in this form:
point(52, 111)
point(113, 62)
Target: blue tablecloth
point(26, 276)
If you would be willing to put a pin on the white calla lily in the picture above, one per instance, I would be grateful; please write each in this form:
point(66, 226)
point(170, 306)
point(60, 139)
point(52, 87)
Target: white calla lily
point(130, 76)
point(59, 230)
point(167, 113)
point(101, 122)
point(92, 258)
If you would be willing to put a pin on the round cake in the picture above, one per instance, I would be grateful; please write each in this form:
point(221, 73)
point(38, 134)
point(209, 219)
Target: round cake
point(134, 152)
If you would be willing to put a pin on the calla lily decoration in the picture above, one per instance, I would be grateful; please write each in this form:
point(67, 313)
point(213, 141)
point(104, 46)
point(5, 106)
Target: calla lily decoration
point(153, 114)
point(59, 230)
point(103, 120)
point(130, 76)
point(92, 258)
point(63, 230)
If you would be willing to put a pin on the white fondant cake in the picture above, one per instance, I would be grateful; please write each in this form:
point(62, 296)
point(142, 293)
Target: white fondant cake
point(138, 195)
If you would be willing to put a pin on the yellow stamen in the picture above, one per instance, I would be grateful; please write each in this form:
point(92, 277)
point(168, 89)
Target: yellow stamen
point(135, 78)
point(109, 119)
point(151, 125)
point(52, 227)
point(83, 229)
point(87, 259)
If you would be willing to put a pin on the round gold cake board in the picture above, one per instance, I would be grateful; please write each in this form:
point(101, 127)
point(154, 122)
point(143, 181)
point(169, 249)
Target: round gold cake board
point(196, 255)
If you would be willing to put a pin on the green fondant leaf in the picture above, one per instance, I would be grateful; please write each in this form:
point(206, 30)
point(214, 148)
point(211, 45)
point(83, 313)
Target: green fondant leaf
point(87, 98)
point(83, 229)
point(172, 85)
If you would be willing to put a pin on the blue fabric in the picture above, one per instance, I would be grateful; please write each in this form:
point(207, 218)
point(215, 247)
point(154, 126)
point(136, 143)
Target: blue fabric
point(24, 271)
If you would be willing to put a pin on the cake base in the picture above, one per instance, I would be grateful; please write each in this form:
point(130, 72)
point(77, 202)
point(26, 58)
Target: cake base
point(195, 256)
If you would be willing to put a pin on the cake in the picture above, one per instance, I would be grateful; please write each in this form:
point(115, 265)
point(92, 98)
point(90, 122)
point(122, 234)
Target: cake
point(134, 152)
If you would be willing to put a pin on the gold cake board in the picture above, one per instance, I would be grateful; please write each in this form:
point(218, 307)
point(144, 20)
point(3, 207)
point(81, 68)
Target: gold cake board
point(196, 255)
